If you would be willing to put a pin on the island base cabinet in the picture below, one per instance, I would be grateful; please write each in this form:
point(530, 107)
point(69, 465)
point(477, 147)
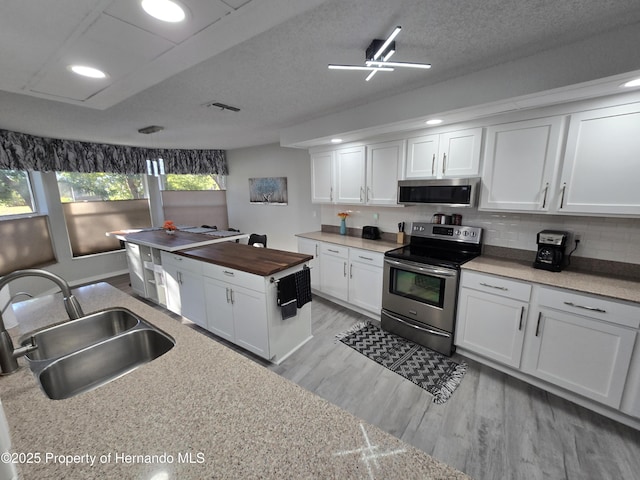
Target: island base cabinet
point(238, 315)
point(491, 325)
point(219, 309)
point(250, 321)
point(585, 356)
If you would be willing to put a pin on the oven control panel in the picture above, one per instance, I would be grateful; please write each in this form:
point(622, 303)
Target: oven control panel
point(458, 233)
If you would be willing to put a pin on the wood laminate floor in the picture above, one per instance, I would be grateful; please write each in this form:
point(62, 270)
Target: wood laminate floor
point(493, 427)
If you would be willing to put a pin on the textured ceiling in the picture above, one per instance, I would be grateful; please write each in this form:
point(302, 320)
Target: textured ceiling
point(261, 58)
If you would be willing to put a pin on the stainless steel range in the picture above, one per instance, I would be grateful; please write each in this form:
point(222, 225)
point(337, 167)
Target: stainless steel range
point(420, 287)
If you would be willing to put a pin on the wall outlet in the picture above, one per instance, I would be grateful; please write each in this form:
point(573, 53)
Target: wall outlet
point(577, 237)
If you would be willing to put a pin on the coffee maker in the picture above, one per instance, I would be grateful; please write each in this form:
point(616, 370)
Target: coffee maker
point(551, 246)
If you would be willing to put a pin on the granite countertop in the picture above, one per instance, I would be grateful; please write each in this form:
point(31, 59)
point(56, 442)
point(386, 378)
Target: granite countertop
point(247, 258)
point(380, 246)
point(201, 401)
point(596, 284)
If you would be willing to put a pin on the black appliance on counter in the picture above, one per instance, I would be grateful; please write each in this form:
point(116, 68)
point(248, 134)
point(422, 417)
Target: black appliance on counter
point(371, 233)
point(420, 285)
point(551, 250)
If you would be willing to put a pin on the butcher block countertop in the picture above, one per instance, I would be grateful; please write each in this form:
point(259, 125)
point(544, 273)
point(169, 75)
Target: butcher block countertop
point(179, 240)
point(200, 411)
point(259, 261)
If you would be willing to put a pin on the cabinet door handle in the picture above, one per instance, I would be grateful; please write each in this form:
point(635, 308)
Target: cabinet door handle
point(361, 194)
point(444, 162)
point(345, 269)
point(227, 294)
point(544, 198)
point(494, 286)
point(592, 309)
point(316, 250)
point(521, 317)
point(229, 274)
point(564, 187)
point(331, 194)
point(367, 195)
point(351, 270)
point(333, 251)
point(538, 325)
point(365, 258)
point(232, 299)
point(180, 278)
point(433, 165)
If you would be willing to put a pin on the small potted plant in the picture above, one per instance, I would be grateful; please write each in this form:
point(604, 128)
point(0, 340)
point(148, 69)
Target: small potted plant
point(169, 227)
point(343, 224)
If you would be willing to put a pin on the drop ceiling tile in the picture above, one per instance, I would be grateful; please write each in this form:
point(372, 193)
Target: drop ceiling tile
point(111, 45)
point(200, 14)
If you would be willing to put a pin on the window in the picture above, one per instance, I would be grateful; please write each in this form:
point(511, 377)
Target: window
point(97, 203)
point(194, 182)
point(16, 197)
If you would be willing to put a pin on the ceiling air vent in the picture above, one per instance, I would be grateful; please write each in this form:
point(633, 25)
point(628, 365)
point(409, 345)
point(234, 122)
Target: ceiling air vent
point(221, 106)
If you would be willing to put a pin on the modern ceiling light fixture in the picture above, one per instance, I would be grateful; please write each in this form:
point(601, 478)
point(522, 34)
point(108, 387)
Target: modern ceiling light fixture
point(164, 10)
point(377, 58)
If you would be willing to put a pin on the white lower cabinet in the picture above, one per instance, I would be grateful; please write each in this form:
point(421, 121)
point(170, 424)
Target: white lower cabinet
point(312, 247)
point(491, 317)
point(334, 264)
point(572, 348)
point(352, 275)
point(365, 279)
point(219, 309)
point(582, 343)
point(185, 292)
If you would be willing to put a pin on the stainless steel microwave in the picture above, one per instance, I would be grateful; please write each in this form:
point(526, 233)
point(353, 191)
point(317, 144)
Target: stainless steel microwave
point(452, 192)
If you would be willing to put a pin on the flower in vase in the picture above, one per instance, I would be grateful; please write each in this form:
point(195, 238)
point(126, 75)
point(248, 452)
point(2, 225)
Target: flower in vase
point(343, 215)
point(169, 226)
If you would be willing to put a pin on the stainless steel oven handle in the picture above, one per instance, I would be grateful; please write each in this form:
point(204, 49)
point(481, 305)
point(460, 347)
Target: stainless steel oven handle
point(422, 329)
point(422, 268)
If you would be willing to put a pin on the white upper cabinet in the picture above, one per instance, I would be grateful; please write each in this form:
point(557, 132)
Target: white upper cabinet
point(520, 165)
point(384, 168)
point(350, 175)
point(450, 154)
point(322, 178)
point(602, 162)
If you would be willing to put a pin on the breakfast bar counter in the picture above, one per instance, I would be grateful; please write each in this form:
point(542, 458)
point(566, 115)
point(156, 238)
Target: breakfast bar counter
point(199, 411)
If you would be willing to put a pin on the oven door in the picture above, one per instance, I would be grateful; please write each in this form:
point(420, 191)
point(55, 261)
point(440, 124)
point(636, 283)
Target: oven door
point(421, 292)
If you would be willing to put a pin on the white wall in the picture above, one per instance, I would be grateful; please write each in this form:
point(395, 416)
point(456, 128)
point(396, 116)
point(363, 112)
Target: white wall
point(279, 223)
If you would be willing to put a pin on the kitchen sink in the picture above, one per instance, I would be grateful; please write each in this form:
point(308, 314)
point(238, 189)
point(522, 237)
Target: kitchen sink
point(74, 335)
point(102, 362)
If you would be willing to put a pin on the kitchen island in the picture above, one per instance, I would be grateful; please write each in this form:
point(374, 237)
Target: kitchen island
point(199, 411)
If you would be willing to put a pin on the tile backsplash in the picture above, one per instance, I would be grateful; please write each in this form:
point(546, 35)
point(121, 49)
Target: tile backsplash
point(603, 238)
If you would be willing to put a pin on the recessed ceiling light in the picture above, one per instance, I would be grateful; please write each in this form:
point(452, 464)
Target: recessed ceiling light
point(632, 83)
point(434, 121)
point(165, 10)
point(86, 71)
point(336, 140)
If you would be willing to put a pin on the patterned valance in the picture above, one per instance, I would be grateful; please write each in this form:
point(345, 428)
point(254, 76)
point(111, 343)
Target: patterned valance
point(20, 151)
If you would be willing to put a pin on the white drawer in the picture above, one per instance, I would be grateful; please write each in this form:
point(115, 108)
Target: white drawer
point(182, 263)
point(590, 306)
point(497, 285)
point(333, 249)
point(366, 256)
point(235, 277)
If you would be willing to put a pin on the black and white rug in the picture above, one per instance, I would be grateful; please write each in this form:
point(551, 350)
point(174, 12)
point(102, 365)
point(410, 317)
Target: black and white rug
point(436, 373)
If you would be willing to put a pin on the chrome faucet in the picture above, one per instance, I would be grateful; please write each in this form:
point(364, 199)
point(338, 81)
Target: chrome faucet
point(9, 355)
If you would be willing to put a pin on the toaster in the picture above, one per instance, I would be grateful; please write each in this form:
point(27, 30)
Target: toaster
point(371, 233)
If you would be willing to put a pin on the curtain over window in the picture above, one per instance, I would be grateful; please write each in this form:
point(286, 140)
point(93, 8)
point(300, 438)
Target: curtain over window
point(20, 151)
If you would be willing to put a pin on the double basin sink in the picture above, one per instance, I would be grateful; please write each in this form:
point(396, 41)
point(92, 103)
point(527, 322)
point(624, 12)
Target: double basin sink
point(83, 354)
